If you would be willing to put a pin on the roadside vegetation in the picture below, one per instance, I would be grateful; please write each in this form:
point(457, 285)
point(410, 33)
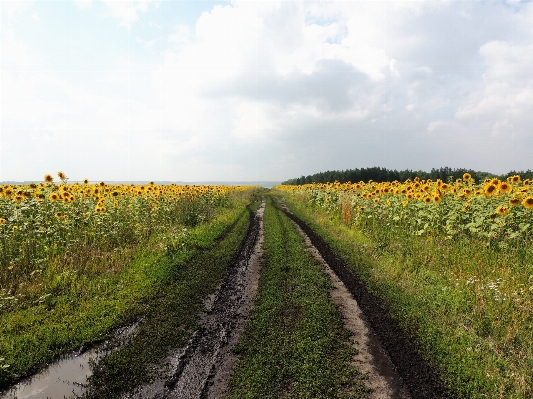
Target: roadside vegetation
point(294, 344)
point(453, 261)
point(79, 260)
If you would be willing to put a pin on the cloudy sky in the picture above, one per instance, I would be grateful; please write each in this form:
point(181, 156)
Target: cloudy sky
point(263, 90)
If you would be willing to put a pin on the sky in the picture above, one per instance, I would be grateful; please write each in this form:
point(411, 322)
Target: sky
point(262, 90)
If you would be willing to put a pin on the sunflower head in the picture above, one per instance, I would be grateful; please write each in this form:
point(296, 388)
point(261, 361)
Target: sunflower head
point(490, 189)
point(528, 202)
point(48, 178)
point(54, 196)
point(502, 210)
point(467, 176)
point(86, 181)
point(526, 182)
point(514, 201)
point(2, 221)
point(62, 176)
point(505, 187)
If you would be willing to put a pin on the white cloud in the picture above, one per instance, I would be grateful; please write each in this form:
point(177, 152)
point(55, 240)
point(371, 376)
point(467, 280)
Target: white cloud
point(306, 85)
point(127, 11)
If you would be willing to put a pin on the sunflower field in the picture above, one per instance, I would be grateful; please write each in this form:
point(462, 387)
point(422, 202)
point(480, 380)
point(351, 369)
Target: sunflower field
point(495, 211)
point(453, 262)
point(48, 222)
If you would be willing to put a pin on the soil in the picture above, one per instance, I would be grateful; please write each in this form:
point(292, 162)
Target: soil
point(420, 378)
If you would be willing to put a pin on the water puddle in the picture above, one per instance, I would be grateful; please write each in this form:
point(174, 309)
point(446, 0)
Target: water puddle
point(64, 378)
point(67, 377)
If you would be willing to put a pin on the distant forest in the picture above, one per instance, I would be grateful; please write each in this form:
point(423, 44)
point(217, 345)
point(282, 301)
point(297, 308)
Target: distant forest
point(378, 174)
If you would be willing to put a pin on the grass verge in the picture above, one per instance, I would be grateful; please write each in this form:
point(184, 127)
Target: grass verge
point(295, 344)
point(455, 298)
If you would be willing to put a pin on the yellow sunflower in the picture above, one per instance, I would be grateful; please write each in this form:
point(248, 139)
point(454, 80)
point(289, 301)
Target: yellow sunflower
point(528, 202)
point(48, 178)
point(54, 196)
point(490, 189)
point(502, 210)
point(514, 201)
point(467, 176)
point(505, 187)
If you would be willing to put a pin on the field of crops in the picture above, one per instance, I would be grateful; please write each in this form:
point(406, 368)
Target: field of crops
point(453, 259)
point(78, 259)
point(55, 222)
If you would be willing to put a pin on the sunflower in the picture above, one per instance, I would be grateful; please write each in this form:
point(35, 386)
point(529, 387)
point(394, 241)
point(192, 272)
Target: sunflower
point(437, 198)
point(409, 196)
point(502, 210)
point(467, 176)
point(526, 182)
point(427, 200)
point(505, 187)
point(515, 179)
point(59, 214)
point(490, 189)
point(514, 201)
point(54, 196)
point(528, 202)
point(86, 181)
point(62, 176)
point(2, 221)
point(15, 228)
point(48, 178)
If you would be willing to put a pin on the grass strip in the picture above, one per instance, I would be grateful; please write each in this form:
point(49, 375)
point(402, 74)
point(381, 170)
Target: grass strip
point(171, 316)
point(420, 281)
point(82, 307)
point(294, 344)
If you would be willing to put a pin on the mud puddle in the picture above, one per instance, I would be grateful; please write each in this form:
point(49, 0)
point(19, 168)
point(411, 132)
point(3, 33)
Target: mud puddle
point(395, 366)
point(201, 369)
point(67, 377)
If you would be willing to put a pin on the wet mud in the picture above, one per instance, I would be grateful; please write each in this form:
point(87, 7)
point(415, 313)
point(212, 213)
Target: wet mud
point(202, 368)
point(393, 362)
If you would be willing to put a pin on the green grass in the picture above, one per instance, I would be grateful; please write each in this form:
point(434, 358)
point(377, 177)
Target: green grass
point(294, 345)
point(469, 306)
point(77, 307)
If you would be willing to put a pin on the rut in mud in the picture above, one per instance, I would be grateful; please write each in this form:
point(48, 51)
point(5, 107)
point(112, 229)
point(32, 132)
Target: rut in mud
point(203, 367)
point(420, 378)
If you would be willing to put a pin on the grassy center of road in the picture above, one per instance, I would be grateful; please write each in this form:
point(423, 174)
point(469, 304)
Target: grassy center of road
point(295, 344)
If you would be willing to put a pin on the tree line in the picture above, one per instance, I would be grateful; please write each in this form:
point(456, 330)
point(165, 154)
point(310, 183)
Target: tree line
point(378, 174)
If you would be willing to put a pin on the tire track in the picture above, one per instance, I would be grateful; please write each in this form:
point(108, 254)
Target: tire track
point(420, 378)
